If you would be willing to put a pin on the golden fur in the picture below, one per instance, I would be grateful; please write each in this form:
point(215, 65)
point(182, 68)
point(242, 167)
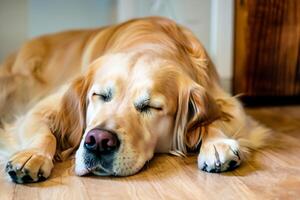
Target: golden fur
point(152, 57)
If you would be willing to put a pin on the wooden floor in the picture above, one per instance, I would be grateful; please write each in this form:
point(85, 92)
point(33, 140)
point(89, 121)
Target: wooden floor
point(272, 174)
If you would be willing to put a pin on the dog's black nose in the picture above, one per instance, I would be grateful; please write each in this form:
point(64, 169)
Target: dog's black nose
point(101, 141)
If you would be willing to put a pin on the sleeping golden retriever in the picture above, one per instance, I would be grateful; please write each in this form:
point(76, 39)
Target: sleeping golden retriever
point(116, 96)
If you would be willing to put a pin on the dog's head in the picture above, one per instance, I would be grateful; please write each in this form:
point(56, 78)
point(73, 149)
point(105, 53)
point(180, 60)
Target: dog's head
point(128, 107)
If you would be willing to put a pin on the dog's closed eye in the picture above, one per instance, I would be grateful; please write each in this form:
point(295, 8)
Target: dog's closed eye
point(104, 96)
point(146, 107)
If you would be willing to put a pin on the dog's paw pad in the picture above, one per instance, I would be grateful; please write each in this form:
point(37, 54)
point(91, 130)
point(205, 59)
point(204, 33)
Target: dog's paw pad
point(219, 156)
point(28, 167)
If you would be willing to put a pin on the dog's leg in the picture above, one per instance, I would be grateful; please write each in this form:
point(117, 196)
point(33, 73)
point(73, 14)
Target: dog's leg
point(230, 139)
point(34, 161)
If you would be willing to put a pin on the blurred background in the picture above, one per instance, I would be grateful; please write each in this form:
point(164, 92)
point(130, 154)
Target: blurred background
point(24, 19)
point(255, 44)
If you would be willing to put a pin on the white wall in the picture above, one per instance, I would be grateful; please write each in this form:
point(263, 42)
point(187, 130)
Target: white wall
point(46, 16)
point(13, 25)
point(221, 37)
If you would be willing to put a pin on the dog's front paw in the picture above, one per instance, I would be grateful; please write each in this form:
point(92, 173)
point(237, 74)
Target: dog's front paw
point(219, 155)
point(29, 166)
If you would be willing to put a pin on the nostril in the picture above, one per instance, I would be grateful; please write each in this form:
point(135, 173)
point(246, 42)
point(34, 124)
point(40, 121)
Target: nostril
point(105, 145)
point(90, 142)
point(109, 142)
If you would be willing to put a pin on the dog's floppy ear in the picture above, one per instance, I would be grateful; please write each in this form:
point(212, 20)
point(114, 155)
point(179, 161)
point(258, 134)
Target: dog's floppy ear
point(69, 121)
point(196, 108)
point(202, 110)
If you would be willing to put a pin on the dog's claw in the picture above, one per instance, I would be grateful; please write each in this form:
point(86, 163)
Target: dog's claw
point(204, 166)
point(8, 166)
point(218, 166)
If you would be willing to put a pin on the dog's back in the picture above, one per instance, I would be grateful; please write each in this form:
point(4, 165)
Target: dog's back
point(40, 66)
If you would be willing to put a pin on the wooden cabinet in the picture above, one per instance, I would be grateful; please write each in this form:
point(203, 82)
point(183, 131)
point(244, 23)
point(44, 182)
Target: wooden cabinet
point(267, 48)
